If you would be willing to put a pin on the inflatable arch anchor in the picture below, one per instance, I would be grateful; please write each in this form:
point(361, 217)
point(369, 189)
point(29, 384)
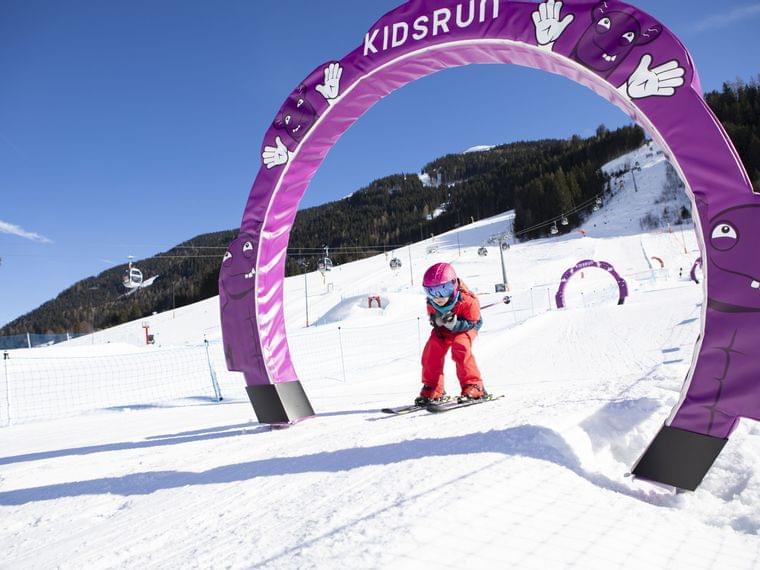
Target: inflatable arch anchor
point(644, 70)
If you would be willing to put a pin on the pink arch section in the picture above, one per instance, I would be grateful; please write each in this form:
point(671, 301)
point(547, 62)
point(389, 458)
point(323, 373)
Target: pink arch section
point(651, 78)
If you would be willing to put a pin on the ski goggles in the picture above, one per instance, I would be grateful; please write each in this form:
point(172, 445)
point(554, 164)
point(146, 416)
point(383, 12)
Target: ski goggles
point(443, 291)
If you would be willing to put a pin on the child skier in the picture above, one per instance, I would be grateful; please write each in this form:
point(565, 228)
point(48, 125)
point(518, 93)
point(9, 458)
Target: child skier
point(454, 313)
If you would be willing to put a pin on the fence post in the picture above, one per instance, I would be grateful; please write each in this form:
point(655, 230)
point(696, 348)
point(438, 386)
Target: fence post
point(342, 360)
point(7, 388)
point(214, 383)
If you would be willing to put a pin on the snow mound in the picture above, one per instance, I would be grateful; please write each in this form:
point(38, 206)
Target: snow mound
point(479, 148)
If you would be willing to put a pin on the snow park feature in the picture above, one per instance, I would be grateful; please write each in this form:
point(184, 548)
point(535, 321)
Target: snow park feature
point(697, 267)
point(585, 264)
point(140, 466)
point(614, 49)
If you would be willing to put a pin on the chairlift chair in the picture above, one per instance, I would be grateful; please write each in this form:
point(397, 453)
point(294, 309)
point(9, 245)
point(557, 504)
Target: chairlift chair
point(133, 277)
point(324, 265)
point(565, 221)
point(554, 230)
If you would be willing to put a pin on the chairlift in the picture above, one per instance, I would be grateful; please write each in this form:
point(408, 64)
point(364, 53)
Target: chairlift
point(324, 264)
point(133, 277)
point(395, 263)
point(482, 251)
point(554, 230)
point(504, 246)
point(565, 221)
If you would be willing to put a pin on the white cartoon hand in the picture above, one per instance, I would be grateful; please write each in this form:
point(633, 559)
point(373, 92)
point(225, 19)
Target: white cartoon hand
point(275, 155)
point(660, 81)
point(331, 89)
point(549, 27)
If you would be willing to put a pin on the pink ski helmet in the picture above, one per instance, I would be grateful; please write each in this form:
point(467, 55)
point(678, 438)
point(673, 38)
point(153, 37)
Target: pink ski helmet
point(440, 280)
point(438, 274)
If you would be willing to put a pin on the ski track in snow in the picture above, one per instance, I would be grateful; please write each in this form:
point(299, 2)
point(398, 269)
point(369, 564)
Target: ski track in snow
point(535, 480)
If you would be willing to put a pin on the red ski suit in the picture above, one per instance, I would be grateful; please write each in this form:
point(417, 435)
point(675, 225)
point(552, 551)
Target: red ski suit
point(467, 310)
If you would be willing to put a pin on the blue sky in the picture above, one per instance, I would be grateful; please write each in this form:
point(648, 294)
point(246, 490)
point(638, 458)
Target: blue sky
point(127, 127)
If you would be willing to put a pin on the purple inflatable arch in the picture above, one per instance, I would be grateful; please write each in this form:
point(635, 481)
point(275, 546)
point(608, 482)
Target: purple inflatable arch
point(622, 285)
point(693, 272)
point(617, 51)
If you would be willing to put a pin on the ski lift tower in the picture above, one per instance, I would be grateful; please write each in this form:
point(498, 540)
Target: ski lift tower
point(326, 263)
point(503, 240)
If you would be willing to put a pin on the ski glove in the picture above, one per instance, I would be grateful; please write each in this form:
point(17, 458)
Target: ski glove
point(449, 320)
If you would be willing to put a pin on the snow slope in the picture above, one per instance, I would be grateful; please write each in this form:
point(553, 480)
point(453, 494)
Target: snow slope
point(535, 480)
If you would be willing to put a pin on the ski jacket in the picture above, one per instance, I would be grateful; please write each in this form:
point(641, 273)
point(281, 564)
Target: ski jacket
point(466, 308)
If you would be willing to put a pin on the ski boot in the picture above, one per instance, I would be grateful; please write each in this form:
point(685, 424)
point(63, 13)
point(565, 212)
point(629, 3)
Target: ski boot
point(472, 392)
point(430, 395)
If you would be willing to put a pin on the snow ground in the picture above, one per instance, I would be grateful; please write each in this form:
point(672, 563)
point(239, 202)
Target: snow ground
point(535, 480)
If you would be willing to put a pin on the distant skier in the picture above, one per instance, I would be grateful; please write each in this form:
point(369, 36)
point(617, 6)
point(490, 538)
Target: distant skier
point(454, 313)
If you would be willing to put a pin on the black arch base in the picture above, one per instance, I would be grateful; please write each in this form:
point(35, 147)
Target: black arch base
point(282, 403)
point(679, 458)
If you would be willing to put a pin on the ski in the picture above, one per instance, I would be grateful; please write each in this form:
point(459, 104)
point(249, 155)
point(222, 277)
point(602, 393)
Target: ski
point(455, 404)
point(401, 410)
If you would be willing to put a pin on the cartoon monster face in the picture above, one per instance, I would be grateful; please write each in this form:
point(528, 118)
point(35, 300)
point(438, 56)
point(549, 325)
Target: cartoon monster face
point(734, 256)
point(610, 38)
point(297, 115)
point(237, 273)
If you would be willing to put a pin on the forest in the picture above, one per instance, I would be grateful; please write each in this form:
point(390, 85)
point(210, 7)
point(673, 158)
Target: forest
point(540, 180)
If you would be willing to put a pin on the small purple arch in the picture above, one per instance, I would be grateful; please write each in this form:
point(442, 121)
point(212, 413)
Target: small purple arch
point(586, 263)
point(693, 273)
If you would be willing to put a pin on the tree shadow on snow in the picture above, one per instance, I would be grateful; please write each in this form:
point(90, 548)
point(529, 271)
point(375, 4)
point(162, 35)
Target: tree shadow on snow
point(524, 441)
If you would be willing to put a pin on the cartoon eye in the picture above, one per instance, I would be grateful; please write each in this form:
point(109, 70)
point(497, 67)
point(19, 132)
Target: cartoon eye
point(227, 257)
point(287, 119)
point(724, 237)
point(300, 102)
point(248, 249)
point(629, 37)
point(605, 23)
